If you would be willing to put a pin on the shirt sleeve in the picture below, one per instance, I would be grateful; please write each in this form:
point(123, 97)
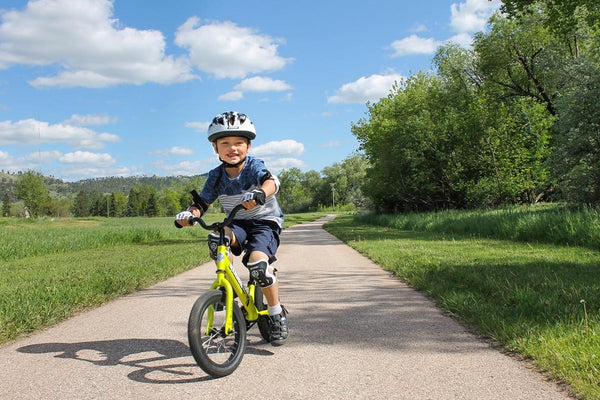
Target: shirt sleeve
point(209, 192)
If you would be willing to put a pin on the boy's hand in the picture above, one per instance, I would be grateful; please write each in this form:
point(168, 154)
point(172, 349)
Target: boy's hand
point(253, 198)
point(183, 217)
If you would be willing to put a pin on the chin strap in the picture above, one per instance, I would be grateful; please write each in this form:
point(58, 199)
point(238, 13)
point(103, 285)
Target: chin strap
point(227, 165)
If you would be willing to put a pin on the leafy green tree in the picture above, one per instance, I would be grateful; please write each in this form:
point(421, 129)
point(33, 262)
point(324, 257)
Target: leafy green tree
point(118, 205)
point(170, 203)
point(142, 201)
point(294, 195)
point(520, 58)
point(31, 189)
point(576, 160)
point(81, 204)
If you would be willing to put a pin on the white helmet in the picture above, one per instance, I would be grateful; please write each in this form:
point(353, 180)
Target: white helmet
point(231, 123)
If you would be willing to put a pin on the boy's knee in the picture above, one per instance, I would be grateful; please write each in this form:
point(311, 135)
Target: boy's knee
point(263, 273)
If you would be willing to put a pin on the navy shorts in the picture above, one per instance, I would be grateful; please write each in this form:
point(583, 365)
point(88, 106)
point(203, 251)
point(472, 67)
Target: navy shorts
point(256, 235)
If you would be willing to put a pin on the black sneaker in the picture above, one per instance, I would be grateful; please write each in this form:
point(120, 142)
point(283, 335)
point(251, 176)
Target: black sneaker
point(213, 243)
point(279, 328)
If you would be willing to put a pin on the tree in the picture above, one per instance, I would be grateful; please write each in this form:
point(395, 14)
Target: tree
point(6, 205)
point(118, 205)
point(31, 189)
point(81, 204)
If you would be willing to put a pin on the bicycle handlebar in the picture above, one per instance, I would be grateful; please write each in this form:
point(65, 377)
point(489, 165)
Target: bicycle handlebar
point(217, 226)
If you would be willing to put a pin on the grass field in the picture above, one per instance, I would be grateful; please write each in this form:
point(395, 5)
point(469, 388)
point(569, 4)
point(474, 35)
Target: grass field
point(51, 269)
point(538, 299)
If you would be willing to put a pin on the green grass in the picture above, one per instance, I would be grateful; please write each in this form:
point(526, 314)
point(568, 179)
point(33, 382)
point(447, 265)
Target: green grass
point(51, 269)
point(528, 296)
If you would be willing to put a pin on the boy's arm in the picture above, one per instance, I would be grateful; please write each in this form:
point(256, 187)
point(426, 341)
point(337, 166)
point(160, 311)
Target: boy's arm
point(196, 209)
point(268, 187)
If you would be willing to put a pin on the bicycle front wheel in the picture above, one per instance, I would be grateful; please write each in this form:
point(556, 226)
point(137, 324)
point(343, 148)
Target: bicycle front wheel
point(215, 352)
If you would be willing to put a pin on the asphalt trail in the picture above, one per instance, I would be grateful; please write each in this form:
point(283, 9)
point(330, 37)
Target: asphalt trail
point(356, 333)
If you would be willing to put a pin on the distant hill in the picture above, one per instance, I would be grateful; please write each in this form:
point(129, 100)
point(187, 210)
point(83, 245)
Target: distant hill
point(114, 184)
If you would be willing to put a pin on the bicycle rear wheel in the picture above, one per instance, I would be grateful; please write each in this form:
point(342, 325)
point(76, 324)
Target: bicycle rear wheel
point(216, 353)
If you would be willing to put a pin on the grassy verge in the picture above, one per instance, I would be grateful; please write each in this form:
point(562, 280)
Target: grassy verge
point(540, 300)
point(52, 269)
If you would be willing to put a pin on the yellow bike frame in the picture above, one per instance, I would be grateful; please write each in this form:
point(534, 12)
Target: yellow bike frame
point(228, 279)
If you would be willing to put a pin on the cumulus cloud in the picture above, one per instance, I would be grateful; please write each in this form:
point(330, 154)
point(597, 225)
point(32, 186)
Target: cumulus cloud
point(466, 18)
point(280, 164)
point(198, 126)
point(286, 147)
point(88, 44)
point(44, 156)
point(173, 151)
point(185, 168)
point(227, 50)
point(30, 132)
point(89, 120)
point(472, 15)
point(256, 84)
point(262, 84)
point(86, 157)
point(414, 44)
point(231, 96)
point(365, 89)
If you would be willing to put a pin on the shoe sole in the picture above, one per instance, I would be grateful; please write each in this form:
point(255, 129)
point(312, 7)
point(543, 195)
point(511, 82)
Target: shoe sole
point(278, 343)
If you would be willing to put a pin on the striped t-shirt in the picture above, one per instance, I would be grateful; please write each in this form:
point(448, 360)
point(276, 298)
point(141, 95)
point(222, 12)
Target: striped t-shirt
point(229, 191)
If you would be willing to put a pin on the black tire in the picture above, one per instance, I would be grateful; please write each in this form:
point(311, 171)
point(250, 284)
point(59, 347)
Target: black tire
point(264, 323)
point(218, 355)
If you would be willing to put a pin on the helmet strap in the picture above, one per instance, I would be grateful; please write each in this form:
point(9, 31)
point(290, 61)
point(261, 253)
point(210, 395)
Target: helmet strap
point(227, 165)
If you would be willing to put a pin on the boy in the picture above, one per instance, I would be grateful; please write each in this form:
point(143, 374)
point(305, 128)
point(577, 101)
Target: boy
point(244, 179)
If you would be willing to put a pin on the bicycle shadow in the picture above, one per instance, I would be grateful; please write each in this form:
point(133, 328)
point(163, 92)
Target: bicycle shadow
point(156, 361)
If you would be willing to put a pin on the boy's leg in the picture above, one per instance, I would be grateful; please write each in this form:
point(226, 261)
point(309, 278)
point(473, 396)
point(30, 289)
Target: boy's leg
point(271, 292)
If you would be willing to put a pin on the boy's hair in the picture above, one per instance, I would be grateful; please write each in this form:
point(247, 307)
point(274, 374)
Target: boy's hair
point(231, 123)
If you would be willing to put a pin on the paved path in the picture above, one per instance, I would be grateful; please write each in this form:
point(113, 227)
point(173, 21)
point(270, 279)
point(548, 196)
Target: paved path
point(356, 333)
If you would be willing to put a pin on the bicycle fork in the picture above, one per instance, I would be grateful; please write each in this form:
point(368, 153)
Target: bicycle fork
point(226, 275)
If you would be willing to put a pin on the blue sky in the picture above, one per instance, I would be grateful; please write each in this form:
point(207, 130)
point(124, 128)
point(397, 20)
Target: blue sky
point(94, 88)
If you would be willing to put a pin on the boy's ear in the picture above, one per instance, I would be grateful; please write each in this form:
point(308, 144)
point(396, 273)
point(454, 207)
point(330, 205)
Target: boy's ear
point(214, 144)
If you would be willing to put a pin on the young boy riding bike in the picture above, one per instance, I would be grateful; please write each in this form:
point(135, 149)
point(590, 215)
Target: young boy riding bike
point(244, 179)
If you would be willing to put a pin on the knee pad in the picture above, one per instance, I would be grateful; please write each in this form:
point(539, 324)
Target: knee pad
point(259, 271)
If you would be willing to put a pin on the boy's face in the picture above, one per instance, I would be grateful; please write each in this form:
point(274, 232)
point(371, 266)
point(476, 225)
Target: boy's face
point(232, 149)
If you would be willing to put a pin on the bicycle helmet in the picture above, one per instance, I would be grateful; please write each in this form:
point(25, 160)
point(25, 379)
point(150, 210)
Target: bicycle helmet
point(231, 123)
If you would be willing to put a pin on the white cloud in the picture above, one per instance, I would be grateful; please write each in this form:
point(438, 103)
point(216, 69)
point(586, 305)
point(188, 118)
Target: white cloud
point(44, 156)
point(173, 151)
point(414, 45)
point(86, 157)
point(334, 143)
point(30, 132)
point(79, 172)
point(256, 84)
point(198, 126)
point(186, 168)
point(280, 164)
point(227, 50)
point(462, 39)
point(286, 147)
point(472, 15)
point(14, 164)
point(466, 18)
point(262, 84)
point(85, 40)
point(365, 89)
point(231, 96)
point(89, 120)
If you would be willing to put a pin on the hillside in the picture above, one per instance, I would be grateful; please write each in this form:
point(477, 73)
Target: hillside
point(114, 184)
